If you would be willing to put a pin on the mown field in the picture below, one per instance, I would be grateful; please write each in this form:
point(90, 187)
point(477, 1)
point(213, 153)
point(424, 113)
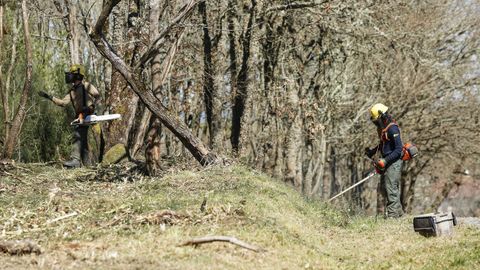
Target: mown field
point(82, 220)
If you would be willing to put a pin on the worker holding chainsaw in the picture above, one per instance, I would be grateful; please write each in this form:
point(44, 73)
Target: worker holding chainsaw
point(388, 162)
point(83, 96)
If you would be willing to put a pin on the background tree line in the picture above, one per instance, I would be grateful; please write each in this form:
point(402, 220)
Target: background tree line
point(283, 86)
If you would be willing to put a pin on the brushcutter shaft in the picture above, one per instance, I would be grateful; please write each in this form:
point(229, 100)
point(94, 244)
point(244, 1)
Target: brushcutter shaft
point(354, 185)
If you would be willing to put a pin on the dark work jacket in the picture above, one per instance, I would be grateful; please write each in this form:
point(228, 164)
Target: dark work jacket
point(391, 145)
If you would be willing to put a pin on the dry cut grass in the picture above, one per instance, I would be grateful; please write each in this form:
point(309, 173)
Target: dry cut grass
point(83, 223)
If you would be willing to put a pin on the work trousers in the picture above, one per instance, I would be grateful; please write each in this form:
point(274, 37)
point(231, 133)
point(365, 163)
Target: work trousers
point(389, 187)
point(80, 145)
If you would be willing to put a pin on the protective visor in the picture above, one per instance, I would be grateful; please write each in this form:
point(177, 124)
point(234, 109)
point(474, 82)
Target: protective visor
point(69, 77)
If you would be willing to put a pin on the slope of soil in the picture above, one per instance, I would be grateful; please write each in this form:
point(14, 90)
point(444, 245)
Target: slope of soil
point(82, 221)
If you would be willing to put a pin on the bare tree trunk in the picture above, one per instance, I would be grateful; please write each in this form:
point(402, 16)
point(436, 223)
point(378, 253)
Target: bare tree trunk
point(10, 71)
point(153, 150)
point(5, 88)
point(293, 138)
point(71, 25)
point(2, 93)
point(333, 185)
point(209, 91)
point(242, 84)
point(74, 39)
point(140, 134)
point(145, 123)
point(120, 98)
point(19, 118)
point(321, 166)
point(232, 53)
point(203, 155)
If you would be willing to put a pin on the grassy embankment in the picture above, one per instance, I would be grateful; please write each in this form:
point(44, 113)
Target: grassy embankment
point(121, 225)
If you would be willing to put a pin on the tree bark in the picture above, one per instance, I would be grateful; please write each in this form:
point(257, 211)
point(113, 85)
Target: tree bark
point(201, 153)
point(153, 150)
point(10, 71)
point(2, 93)
point(19, 118)
point(209, 91)
point(240, 96)
point(140, 133)
point(71, 25)
point(5, 87)
point(294, 137)
point(321, 166)
point(119, 98)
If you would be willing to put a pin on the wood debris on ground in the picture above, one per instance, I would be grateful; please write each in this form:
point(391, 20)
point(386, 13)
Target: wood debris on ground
point(123, 172)
point(20, 247)
point(167, 217)
point(227, 239)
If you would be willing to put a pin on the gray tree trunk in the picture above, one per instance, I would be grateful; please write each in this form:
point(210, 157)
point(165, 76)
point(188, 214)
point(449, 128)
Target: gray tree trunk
point(19, 118)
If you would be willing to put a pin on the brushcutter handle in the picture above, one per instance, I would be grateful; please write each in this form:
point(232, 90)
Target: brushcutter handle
point(378, 169)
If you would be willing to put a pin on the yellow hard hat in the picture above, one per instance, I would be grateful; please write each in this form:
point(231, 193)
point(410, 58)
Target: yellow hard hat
point(77, 69)
point(377, 110)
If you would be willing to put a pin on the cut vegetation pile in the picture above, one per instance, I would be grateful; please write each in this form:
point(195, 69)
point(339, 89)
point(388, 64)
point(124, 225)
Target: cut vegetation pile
point(80, 222)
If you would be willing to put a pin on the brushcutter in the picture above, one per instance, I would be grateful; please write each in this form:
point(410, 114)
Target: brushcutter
point(370, 175)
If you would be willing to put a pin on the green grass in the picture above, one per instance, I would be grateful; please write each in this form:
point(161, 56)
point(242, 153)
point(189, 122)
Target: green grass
point(108, 232)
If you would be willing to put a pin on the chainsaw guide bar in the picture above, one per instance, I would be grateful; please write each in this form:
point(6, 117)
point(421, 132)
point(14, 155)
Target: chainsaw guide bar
point(93, 119)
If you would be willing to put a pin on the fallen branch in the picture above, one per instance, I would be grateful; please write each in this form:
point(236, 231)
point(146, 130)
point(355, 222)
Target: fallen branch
point(292, 6)
point(166, 217)
point(228, 239)
point(62, 218)
point(19, 247)
point(12, 176)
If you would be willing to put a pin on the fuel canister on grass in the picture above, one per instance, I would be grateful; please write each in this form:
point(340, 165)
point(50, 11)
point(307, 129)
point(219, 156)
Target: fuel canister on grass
point(439, 224)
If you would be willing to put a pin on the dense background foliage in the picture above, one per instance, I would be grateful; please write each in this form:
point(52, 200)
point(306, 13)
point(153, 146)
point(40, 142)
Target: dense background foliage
point(284, 86)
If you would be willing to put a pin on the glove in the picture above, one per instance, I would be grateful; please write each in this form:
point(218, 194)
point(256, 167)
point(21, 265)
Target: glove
point(380, 165)
point(88, 110)
point(370, 152)
point(45, 95)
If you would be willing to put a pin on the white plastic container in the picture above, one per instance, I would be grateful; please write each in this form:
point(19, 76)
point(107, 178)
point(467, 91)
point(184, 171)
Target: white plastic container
point(439, 224)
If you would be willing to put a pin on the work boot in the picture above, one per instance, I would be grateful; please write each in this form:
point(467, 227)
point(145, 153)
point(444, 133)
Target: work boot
point(72, 164)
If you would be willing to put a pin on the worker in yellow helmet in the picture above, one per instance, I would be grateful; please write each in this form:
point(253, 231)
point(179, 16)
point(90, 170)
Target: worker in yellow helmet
point(389, 159)
point(83, 96)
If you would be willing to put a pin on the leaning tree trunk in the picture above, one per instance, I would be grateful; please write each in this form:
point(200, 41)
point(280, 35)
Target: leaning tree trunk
point(201, 153)
point(19, 118)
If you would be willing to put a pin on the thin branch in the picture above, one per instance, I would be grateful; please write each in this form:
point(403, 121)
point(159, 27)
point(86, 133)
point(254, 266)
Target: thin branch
point(49, 37)
point(102, 19)
point(185, 12)
point(62, 218)
point(295, 5)
point(228, 239)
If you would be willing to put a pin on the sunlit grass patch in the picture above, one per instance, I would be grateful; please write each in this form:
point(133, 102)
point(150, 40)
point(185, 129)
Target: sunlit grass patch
point(90, 224)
